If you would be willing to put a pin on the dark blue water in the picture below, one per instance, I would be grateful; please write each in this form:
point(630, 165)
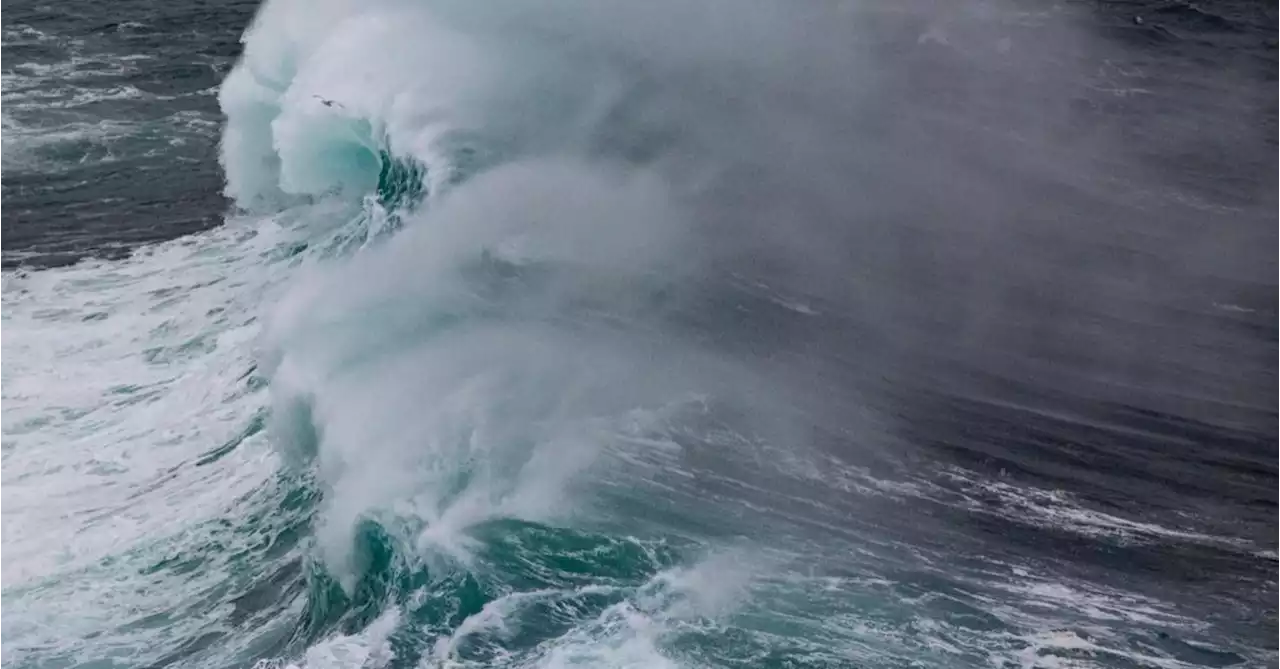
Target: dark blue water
point(436, 335)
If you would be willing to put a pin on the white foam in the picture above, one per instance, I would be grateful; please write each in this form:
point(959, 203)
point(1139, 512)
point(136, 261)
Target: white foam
point(322, 86)
point(1059, 509)
point(486, 415)
point(369, 649)
point(1069, 649)
point(118, 377)
point(445, 394)
point(24, 144)
point(631, 633)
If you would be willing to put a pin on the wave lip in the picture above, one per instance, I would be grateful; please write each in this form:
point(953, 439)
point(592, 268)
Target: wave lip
point(325, 92)
point(505, 361)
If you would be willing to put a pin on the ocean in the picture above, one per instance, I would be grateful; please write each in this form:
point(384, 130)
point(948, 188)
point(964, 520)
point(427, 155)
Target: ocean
point(591, 333)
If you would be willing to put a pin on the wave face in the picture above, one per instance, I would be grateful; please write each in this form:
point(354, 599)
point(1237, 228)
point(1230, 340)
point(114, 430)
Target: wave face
point(667, 334)
point(541, 435)
point(489, 401)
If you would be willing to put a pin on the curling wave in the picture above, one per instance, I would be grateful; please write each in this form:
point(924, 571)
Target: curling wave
point(468, 393)
point(563, 411)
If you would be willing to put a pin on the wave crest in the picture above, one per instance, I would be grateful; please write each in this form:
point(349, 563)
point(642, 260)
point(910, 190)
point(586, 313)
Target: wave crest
point(344, 98)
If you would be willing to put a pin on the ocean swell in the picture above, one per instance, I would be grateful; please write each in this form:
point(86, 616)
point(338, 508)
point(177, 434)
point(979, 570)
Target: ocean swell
point(576, 373)
point(472, 388)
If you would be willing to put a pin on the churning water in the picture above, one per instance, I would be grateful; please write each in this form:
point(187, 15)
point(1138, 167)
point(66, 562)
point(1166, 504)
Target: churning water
point(615, 334)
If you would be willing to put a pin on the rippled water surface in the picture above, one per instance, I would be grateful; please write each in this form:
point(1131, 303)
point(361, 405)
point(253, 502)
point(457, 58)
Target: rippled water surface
point(605, 334)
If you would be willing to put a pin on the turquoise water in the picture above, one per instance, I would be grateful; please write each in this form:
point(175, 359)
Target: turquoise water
point(529, 343)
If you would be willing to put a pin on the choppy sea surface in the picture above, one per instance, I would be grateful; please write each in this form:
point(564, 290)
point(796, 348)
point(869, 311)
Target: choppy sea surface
point(615, 334)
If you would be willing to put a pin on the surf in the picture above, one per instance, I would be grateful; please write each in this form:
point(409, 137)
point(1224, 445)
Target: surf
point(600, 334)
point(483, 393)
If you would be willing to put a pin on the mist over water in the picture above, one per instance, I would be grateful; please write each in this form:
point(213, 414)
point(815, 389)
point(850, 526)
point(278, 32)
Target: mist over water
point(925, 188)
point(681, 334)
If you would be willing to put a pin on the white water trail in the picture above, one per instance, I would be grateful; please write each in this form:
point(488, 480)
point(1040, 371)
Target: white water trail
point(129, 439)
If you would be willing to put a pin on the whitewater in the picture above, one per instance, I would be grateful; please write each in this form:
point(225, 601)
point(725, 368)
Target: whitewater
point(650, 335)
